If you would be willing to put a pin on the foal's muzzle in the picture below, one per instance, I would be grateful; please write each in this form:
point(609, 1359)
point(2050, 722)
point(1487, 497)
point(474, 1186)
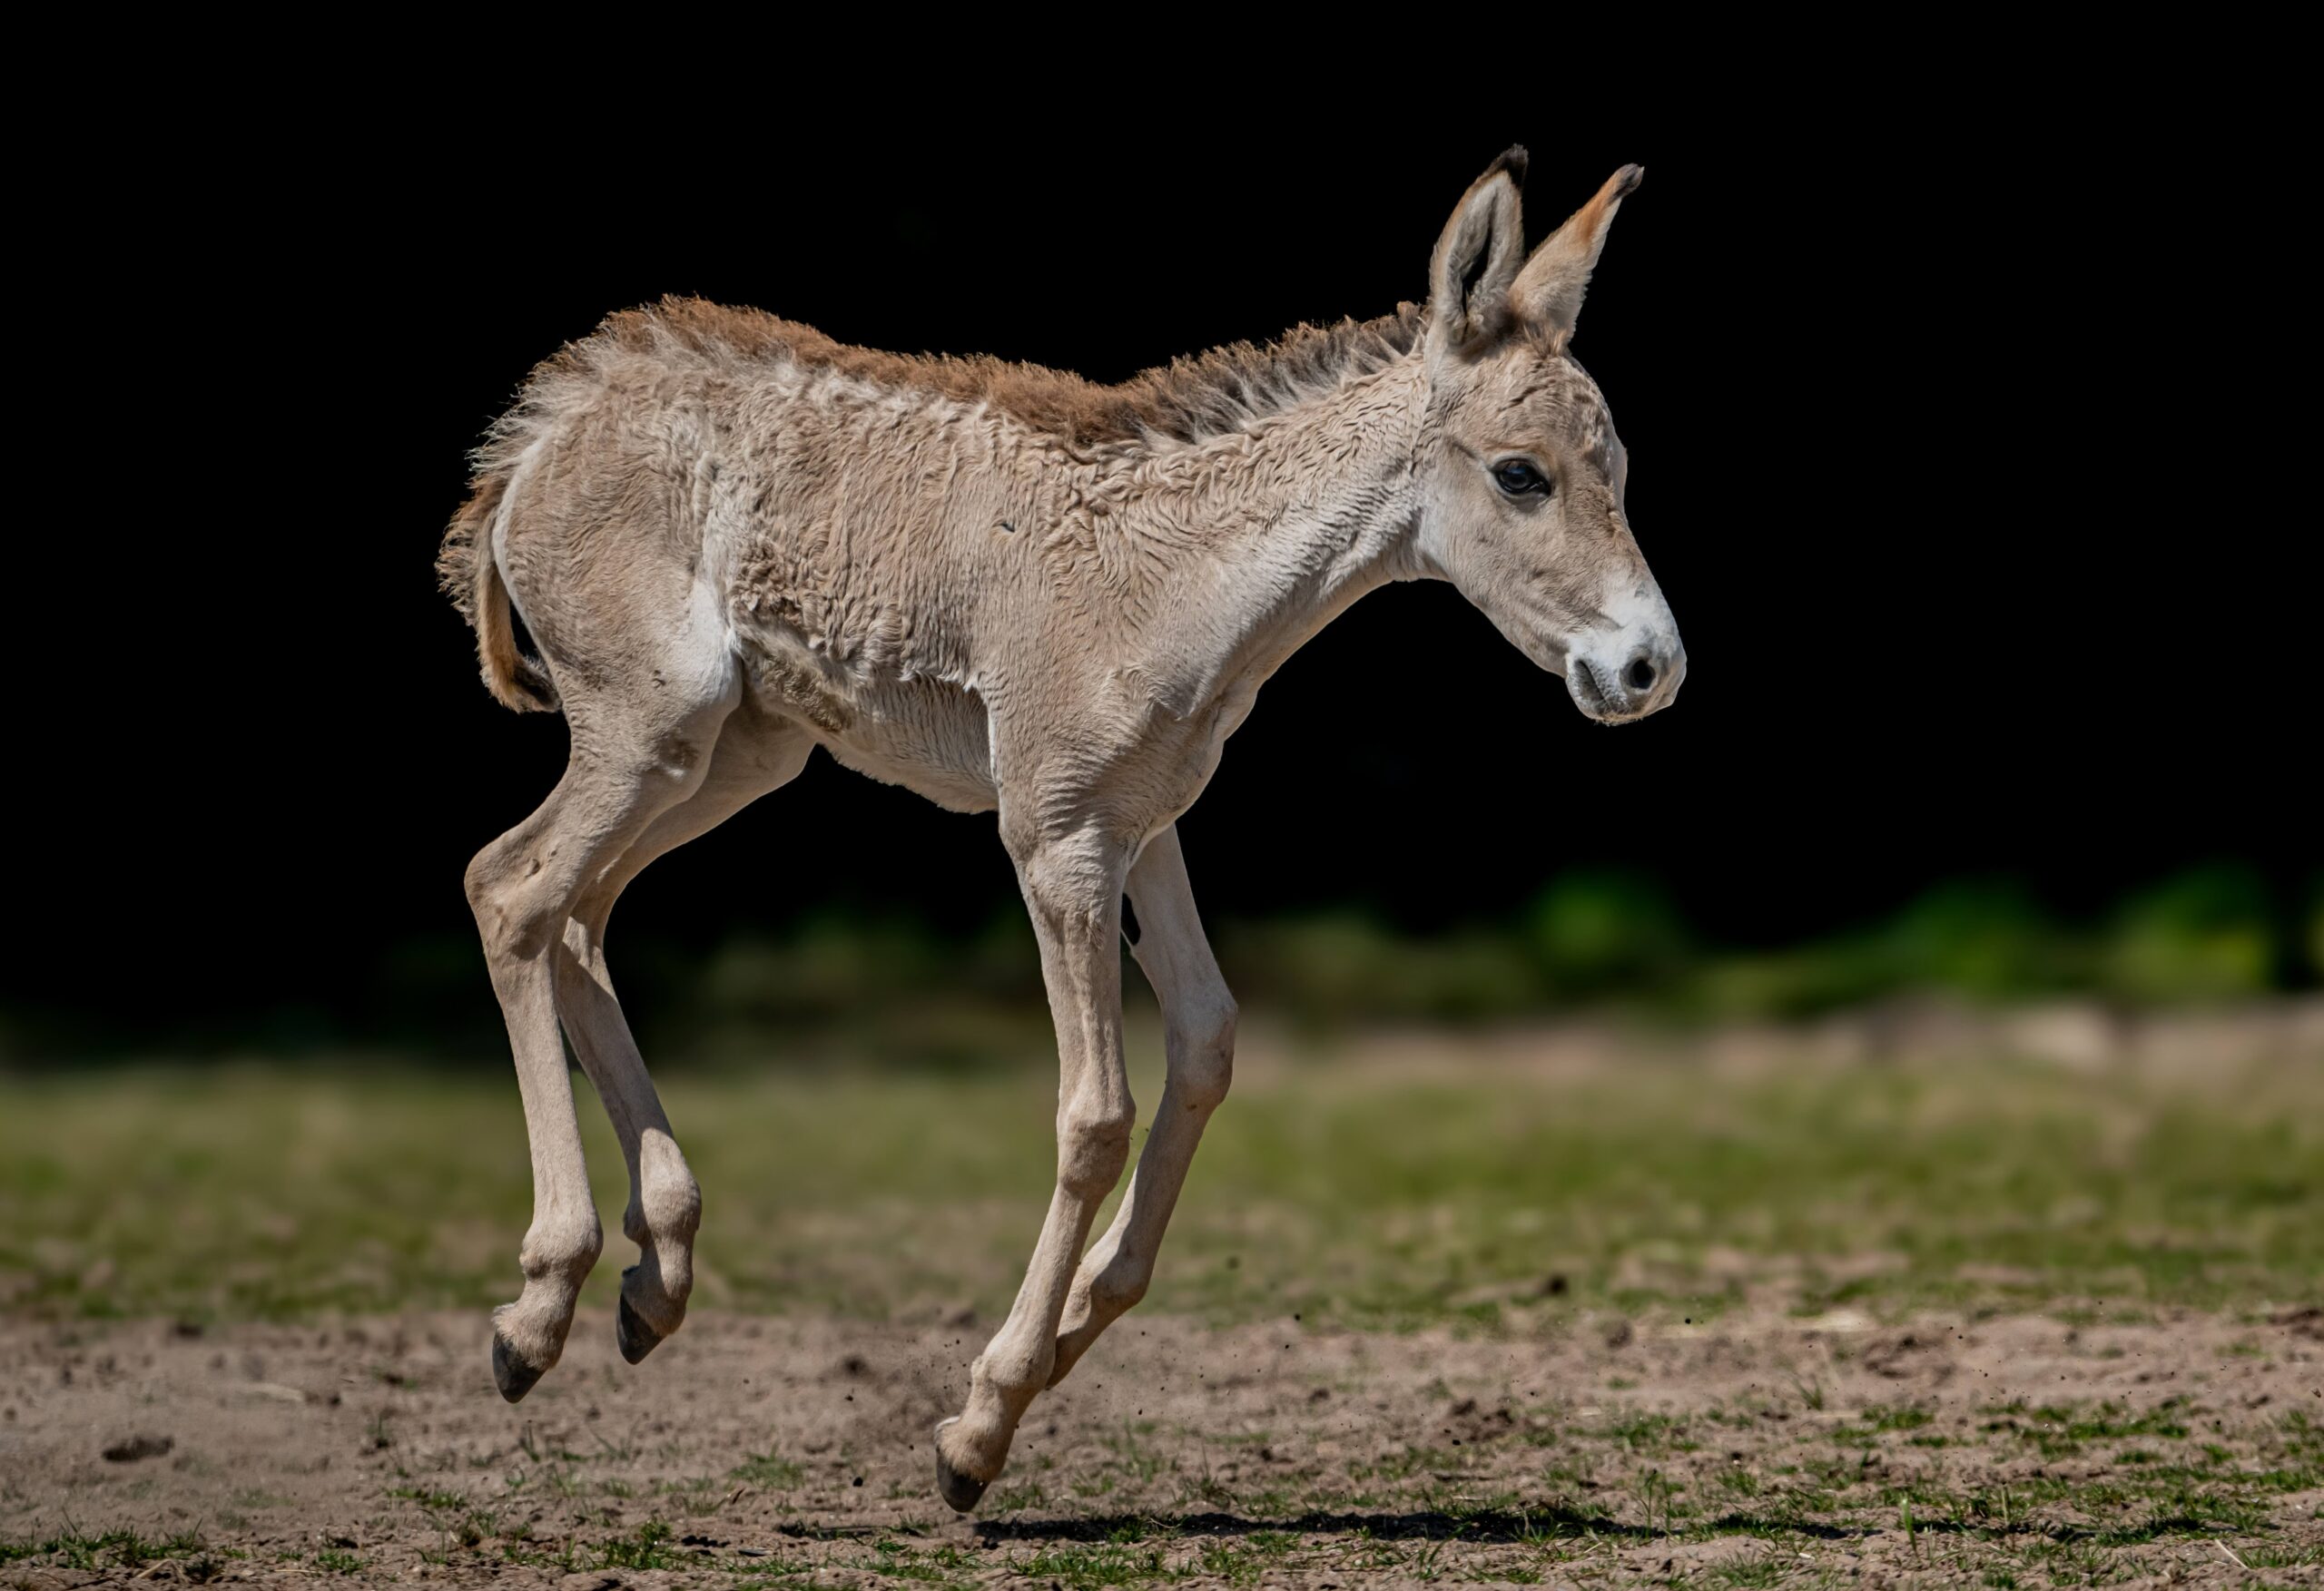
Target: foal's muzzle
point(1617, 684)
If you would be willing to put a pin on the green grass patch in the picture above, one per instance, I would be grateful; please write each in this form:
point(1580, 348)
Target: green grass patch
point(1080, 1565)
point(772, 1471)
point(1389, 1196)
point(106, 1552)
point(646, 1547)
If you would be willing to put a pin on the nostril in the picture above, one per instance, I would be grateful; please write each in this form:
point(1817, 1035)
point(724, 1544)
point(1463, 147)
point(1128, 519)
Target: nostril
point(1639, 675)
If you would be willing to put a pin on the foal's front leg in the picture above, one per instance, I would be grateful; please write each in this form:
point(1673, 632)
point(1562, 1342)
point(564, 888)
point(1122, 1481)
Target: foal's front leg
point(1198, 1035)
point(1073, 889)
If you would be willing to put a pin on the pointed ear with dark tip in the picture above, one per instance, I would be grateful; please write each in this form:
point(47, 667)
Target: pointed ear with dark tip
point(1548, 289)
point(1477, 256)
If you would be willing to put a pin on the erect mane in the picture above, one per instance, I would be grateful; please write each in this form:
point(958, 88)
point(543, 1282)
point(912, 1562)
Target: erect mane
point(1190, 398)
point(1226, 388)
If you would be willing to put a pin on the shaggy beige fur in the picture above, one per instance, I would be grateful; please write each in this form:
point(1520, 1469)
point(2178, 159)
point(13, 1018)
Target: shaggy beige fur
point(1014, 591)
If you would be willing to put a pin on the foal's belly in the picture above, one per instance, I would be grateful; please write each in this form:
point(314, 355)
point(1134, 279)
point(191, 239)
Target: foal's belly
point(931, 737)
point(932, 748)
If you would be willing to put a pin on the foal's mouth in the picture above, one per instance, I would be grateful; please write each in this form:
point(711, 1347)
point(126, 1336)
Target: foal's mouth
point(1599, 703)
point(1588, 691)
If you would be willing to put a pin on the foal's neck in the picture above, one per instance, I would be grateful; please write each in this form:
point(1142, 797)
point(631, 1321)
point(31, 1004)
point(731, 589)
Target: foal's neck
point(1298, 516)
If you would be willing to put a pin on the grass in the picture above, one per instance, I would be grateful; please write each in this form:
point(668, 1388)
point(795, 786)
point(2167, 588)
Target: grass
point(110, 1550)
point(1445, 1190)
point(772, 1471)
point(1094, 1564)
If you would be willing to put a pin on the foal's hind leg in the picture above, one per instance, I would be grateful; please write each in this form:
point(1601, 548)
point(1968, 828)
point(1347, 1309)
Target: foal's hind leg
point(630, 761)
point(754, 756)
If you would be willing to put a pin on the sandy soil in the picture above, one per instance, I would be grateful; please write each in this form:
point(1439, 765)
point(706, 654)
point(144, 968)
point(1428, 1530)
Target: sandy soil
point(376, 1449)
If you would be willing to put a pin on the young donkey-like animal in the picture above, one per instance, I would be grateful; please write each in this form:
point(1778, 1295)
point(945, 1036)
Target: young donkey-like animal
point(1013, 590)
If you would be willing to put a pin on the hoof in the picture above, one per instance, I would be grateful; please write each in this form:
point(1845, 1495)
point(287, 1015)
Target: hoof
point(514, 1376)
point(636, 1337)
point(959, 1491)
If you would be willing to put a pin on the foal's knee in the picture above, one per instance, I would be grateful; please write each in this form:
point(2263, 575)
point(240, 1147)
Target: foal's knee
point(1093, 1147)
point(1202, 1053)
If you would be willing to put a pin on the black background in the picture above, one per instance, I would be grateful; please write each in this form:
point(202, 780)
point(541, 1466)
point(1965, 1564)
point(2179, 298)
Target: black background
point(1935, 451)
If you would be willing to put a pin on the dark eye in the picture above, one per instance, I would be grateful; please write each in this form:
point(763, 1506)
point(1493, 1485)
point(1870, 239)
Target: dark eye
point(1520, 479)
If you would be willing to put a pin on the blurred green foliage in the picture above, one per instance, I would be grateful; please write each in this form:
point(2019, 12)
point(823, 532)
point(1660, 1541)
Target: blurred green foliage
point(1591, 933)
point(1590, 940)
point(1596, 939)
point(2203, 935)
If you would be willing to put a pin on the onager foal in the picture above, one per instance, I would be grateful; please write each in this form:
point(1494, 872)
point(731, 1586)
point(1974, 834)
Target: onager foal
point(1013, 591)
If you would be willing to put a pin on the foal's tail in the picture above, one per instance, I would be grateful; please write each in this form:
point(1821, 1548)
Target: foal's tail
point(470, 576)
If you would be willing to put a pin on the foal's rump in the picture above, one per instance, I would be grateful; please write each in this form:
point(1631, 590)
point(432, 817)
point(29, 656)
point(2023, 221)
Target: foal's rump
point(576, 523)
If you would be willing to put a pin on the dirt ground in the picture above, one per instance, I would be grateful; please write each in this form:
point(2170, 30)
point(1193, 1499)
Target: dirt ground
point(1759, 1449)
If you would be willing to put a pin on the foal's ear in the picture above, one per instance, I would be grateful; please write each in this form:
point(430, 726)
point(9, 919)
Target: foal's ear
point(1477, 255)
point(1549, 288)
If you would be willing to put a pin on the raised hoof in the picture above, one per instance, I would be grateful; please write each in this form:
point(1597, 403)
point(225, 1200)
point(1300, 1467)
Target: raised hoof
point(512, 1375)
point(635, 1337)
point(961, 1492)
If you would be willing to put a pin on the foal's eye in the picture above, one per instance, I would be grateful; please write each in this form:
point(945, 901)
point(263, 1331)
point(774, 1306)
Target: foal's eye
point(1520, 479)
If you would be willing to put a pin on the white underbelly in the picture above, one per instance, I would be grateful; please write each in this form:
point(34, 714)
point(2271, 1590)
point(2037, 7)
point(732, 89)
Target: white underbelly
point(958, 784)
point(931, 737)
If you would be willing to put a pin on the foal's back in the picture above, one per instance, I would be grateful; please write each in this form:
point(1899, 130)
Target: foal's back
point(850, 518)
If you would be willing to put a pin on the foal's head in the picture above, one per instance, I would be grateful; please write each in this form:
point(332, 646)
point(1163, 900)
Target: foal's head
point(1522, 477)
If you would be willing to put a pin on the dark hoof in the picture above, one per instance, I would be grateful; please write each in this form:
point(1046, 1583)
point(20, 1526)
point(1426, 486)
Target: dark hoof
point(512, 1375)
point(958, 1491)
point(635, 1337)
